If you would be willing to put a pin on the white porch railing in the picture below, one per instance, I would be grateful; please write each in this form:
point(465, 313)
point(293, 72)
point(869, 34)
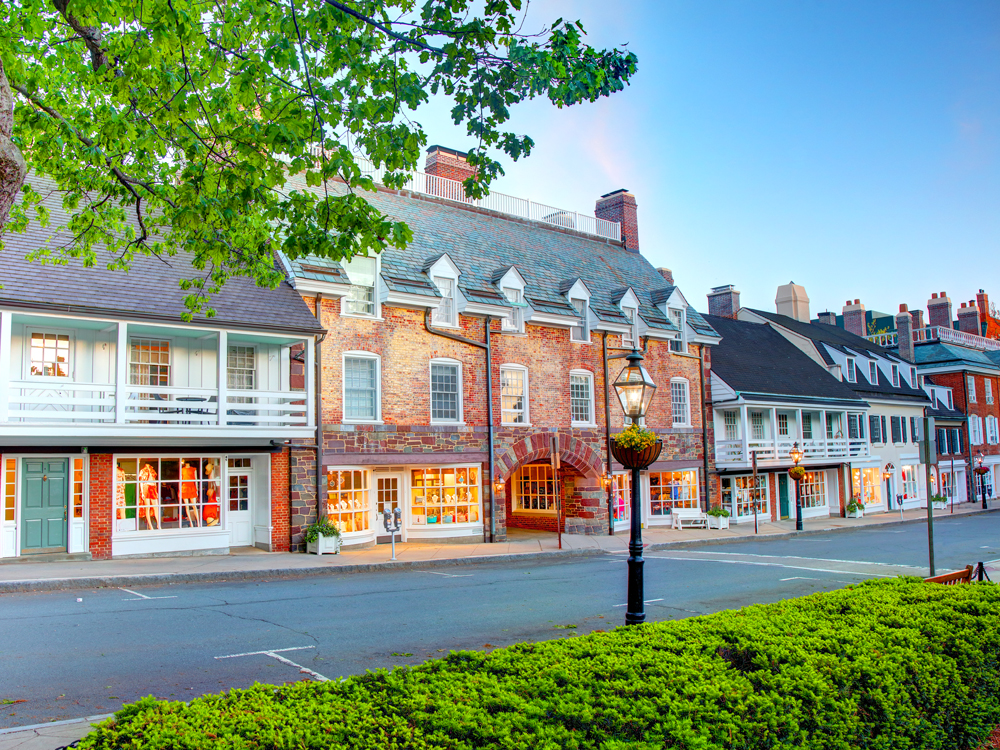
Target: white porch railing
point(732, 451)
point(939, 333)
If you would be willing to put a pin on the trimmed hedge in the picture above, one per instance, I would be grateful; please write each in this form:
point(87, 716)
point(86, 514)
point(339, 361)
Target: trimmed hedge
point(886, 664)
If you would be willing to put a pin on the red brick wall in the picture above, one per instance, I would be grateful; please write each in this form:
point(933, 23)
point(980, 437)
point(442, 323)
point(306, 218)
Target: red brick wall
point(621, 207)
point(101, 505)
point(280, 534)
point(957, 382)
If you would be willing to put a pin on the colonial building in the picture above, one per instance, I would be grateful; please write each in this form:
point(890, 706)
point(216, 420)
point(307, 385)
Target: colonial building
point(125, 431)
point(456, 368)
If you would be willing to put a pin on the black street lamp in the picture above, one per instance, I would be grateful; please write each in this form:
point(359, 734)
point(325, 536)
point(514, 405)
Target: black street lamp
point(796, 473)
point(635, 390)
point(981, 471)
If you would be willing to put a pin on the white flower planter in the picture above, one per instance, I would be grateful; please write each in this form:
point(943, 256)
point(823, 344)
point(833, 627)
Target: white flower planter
point(325, 545)
point(940, 506)
point(718, 522)
point(856, 513)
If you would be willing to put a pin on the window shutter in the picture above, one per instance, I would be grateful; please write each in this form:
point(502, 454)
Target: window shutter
point(942, 441)
point(896, 436)
point(873, 428)
point(885, 432)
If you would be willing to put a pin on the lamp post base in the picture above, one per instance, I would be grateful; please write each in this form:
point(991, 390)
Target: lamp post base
point(636, 614)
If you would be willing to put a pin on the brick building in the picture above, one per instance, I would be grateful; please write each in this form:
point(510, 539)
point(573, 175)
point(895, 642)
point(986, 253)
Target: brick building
point(125, 431)
point(453, 369)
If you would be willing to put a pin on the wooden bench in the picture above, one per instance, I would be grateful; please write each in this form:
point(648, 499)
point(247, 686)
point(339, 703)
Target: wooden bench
point(689, 516)
point(953, 579)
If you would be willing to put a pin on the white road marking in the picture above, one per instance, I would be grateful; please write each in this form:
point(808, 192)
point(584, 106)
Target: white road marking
point(447, 575)
point(142, 596)
point(799, 557)
point(769, 565)
point(799, 578)
point(647, 601)
point(274, 654)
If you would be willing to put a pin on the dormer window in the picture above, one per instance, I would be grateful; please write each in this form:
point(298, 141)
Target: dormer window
point(445, 313)
point(581, 331)
point(895, 376)
point(913, 378)
point(950, 404)
point(629, 339)
point(873, 372)
point(514, 323)
point(852, 370)
point(361, 270)
point(678, 344)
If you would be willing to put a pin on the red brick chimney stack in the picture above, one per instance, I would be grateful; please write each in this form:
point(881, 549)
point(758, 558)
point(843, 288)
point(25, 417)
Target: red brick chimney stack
point(854, 318)
point(939, 310)
point(918, 319)
point(724, 301)
point(983, 303)
point(447, 162)
point(968, 318)
point(667, 275)
point(904, 333)
point(620, 206)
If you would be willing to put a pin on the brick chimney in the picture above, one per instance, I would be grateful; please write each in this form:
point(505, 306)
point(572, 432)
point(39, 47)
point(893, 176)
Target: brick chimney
point(620, 206)
point(667, 275)
point(983, 303)
point(904, 333)
point(918, 319)
point(724, 301)
point(447, 162)
point(968, 318)
point(827, 317)
point(939, 310)
point(854, 318)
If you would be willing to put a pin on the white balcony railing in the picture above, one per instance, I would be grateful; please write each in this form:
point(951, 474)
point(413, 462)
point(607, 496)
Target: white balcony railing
point(774, 451)
point(939, 333)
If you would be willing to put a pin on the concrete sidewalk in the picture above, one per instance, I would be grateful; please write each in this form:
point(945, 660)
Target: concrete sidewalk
point(254, 564)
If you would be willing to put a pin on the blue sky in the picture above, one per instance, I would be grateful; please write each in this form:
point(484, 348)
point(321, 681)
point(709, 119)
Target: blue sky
point(850, 146)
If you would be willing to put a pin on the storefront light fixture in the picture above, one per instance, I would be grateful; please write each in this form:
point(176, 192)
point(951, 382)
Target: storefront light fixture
point(635, 388)
point(795, 453)
point(498, 486)
point(796, 473)
point(606, 481)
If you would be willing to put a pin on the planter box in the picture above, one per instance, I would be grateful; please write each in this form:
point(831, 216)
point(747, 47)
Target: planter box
point(940, 506)
point(718, 522)
point(636, 459)
point(855, 514)
point(325, 545)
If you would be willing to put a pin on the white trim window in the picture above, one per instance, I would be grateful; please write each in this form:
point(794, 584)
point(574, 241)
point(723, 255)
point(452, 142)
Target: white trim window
point(165, 493)
point(348, 499)
point(514, 323)
point(535, 489)
point(361, 397)
point(580, 332)
point(895, 376)
point(441, 495)
point(972, 389)
point(976, 429)
point(807, 426)
point(731, 421)
point(812, 489)
point(914, 381)
point(852, 370)
point(992, 430)
point(149, 362)
point(446, 391)
point(782, 425)
point(756, 425)
point(581, 398)
point(988, 384)
point(514, 394)
point(49, 354)
point(629, 339)
point(680, 402)
point(908, 474)
point(672, 489)
point(873, 372)
point(445, 314)
point(677, 318)
point(740, 494)
point(362, 271)
point(621, 497)
point(241, 367)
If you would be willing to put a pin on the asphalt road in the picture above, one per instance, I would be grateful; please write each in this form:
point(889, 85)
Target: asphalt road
point(69, 654)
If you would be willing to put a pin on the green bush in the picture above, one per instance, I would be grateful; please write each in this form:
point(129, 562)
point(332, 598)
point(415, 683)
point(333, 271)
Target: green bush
point(884, 665)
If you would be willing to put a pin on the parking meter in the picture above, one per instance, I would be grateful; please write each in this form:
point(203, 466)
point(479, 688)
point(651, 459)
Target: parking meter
point(393, 522)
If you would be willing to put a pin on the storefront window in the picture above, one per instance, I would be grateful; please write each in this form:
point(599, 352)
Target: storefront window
point(867, 486)
point(347, 500)
point(9, 488)
point(672, 489)
point(909, 482)
point(77, 488)
point(154, 494)
point(740, 494)
point(444, 495)
point(812, 489)
point(621, 496)
point(947, 486)
point(987, 480)
point(535, 489)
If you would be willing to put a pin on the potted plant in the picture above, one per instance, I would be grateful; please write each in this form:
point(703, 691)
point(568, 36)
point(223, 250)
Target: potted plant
point(323, 538)
point(856, 508)
point(940, 502)
point(718, 517)
point(636, 447)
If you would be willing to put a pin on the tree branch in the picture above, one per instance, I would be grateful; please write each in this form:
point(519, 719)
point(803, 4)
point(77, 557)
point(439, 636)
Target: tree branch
point(92, 37)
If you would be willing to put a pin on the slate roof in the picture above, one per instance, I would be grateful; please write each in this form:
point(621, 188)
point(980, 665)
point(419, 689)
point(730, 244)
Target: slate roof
point(761, 364)
point(484, 246)
point(937, 353)
point(148, 291)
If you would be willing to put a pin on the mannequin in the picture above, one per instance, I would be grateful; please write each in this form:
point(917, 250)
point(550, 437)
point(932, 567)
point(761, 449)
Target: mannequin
point(210, 513)
point(120, 493)
point(189, 493)
point(149, 495)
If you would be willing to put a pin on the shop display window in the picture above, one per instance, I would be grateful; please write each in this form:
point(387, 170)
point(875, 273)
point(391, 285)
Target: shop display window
point(77, 500)
point(812, 489)
point(672, 489)
point(910, 489)
point(444, 495)
point(621, 496)
point(9, 488)
point(740, 494)
point(535, 489)
point(166, 493)
point(866, 485)
point(347, 505)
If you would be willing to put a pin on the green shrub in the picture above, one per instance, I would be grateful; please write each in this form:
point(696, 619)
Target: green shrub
point(885, 665)
point(322, 526)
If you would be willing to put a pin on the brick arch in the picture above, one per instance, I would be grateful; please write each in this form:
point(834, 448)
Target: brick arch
point(572, 451)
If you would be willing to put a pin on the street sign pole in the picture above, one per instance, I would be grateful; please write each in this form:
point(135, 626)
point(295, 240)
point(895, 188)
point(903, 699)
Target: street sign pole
point(928, 456)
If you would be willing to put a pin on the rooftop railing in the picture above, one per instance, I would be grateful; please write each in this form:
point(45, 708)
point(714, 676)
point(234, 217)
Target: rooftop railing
point(942, 334)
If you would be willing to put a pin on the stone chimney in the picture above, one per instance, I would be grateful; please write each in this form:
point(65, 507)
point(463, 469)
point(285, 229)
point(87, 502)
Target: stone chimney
point(724, 301)
point(983, 303)
point(620, 206)
point(904, 333)
point(447, 162)
point(793, 301)
point(828, 317)
point(854, 318)
point(939, 310)
point(667, 275)
point(918, 319)
point(968, 318)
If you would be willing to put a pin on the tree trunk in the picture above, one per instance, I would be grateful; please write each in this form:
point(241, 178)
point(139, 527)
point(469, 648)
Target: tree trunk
point(12, 167)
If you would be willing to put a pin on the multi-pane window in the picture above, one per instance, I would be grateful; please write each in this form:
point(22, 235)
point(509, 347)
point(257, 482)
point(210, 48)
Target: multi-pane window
point(680, 402)
point(875, 428)
point(445, 392)
point(913, 378)
point(866, 485)
point(896, 426)
point(513, 395)
point(783, 425)
point(241, 366)
point(975, 430)
point(910, 489)
point(581, 397)
point(347, 500)
point(756, 425)
point(77, 499)
point(852, 370)
point(873, 372)
point(621, 497)
point(852, 427)
point(149, 362)
point(444, 314)
point(444, 495)
point(672, 489)
point(989, 390)
point(9, 488)
point(731, 419)
point(50, 355)
point(361, 298)
point(581, 331)
point(807, 426)
point(361, 388)
point(514, 323)
point(741, 495)
point(629, 339)
point(812, 489)
point(162, 493)
point(239, 492)
point(914, 430)
point(972, 389)
point(895, 376)
point(951, 404)
point(535, 489)
point(677, 318)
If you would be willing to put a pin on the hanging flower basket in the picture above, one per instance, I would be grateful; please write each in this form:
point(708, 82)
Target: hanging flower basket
point(797, 472)
point(980, 470)
point(636, 458)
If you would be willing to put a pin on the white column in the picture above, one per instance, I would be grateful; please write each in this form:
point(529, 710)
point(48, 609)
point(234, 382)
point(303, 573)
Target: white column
point(745, 432)
point(826, 443)
point(798, 429)
point(774, 431)
point(222, 384)
point(5, 323)
point(121, 372)
point(311, 382)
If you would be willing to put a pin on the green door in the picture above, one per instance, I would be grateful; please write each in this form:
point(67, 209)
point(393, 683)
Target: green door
point(44, 502)
point(783, 494)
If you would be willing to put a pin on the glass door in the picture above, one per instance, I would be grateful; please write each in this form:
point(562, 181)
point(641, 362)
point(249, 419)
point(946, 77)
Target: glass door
point(388, 496)
point(239, 516)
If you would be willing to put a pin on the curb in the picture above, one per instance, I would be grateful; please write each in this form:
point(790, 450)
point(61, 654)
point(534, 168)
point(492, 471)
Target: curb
point(261, 574)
